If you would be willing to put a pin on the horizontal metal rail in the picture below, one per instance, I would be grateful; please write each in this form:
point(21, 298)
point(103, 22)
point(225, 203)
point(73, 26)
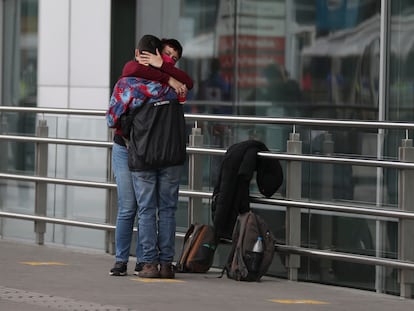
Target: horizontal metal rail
point(339, 160)
point(78, 142)
point(320, 159)
point(302, 121)
point(358, 210)
point(361, 259)
point(59, 181)
point(58, 221)
point(211, 151)
point(41, 110)
point(196, 194)
point(69, 222)
point(233, 119)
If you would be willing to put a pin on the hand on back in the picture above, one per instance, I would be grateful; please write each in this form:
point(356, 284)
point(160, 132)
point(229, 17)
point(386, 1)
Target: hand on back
point(147, 58)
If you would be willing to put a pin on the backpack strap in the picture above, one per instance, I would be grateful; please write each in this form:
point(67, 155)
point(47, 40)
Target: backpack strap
point(234, 260)
point(242, 269)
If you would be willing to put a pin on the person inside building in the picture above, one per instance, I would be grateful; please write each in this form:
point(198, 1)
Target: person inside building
point(217, 91)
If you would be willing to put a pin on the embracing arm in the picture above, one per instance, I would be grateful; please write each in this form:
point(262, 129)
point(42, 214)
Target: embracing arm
point(135, 69)
point(156, 61)
point(178, 74)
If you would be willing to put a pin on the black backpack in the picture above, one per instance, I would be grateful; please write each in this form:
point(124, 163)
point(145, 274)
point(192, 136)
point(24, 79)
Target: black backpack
point(199, 246)
point(242, 263)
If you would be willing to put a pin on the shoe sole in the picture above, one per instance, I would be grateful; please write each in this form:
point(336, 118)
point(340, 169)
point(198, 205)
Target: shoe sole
point(117, 274)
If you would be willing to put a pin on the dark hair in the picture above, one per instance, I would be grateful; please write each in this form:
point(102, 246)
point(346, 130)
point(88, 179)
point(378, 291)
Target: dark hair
point(149, 43)
point(174, 44)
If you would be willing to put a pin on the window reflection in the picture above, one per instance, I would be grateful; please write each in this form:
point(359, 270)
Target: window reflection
point(287, 58)
point(402, 61)
point(20, 56)
point(312, 59)
point(19, 76)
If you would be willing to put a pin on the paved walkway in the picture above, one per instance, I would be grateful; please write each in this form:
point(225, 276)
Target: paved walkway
point(39, 278)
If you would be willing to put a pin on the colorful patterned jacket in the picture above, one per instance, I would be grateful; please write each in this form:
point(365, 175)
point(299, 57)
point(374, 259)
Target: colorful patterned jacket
point(131, 92)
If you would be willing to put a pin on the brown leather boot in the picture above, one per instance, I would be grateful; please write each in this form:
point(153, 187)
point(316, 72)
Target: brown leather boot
point(167, 271)
point(149, 270)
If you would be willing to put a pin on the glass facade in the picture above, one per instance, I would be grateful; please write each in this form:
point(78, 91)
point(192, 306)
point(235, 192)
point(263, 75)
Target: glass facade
point(19, 73)
point(273, 58)
point(19, 88)
point(20, 58)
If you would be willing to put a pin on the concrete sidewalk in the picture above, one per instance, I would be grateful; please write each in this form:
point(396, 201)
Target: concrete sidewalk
point(39, 278)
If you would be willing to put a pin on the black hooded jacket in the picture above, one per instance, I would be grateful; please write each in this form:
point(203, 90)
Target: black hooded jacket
point(157, 136)
point(231, 193)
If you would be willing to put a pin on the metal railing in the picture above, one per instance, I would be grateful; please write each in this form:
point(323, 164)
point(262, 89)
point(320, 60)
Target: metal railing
point(292, 203)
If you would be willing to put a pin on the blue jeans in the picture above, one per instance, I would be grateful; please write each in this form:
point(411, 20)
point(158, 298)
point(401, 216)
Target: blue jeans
point(157, 196)
point(127, 204)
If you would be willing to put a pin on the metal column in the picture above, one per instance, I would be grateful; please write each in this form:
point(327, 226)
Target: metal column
point(326, 226)
point(41, 187)
point(4, 159)
point(195, 177)
point(111, 203)
point(406, 226)
point(293, 192)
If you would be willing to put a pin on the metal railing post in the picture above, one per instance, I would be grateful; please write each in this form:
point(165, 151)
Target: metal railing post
point(327, 169)
point(195, 176)
point(41, 187)
point(327, 182)
point(294, 192)
point(4, 158)
point(112, 203)
point(3, 145)
point(406, 226)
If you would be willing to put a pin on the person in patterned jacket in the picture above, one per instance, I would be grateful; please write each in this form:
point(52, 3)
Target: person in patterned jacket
point(131, 91)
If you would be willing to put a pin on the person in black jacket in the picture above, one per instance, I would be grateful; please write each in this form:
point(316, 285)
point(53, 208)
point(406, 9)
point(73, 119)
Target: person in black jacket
point(156, 152)
point(131, 91)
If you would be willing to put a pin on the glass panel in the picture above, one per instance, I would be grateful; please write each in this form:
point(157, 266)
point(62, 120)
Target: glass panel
point(19, 87)
point(301, 59)
point(402, 61)
point(401, 98)
point(77, 163)
point(20, 73)
point(284, 59)
point(67, 202)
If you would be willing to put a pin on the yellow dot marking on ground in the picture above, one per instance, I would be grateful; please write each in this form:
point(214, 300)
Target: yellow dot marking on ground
point(300, 301)
point(43, 263)
point(149, 280)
